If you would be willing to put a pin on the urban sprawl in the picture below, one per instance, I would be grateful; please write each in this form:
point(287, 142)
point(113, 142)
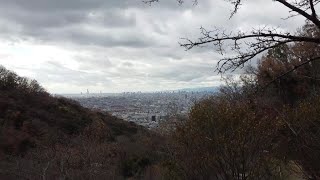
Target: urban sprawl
point(146, 109)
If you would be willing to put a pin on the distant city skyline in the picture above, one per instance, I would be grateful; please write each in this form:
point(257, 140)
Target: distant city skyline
point(195, 89)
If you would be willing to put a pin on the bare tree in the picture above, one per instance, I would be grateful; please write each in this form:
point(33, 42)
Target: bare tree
point(247, 45)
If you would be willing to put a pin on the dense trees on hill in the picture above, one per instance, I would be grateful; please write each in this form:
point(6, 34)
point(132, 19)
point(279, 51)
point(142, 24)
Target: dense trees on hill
point(248, 139)
point(10, 80)
point(45, 137)
point(280, 68)
point(228, 140)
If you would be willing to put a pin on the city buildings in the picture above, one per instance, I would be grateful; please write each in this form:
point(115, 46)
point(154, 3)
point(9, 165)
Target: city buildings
point(146, 109)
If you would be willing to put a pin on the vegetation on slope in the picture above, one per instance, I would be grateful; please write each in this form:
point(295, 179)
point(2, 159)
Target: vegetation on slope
point(46, 137)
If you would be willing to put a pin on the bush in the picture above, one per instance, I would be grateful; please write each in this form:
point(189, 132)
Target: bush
point(228, 140)
point(303, 136)
point(135, 166)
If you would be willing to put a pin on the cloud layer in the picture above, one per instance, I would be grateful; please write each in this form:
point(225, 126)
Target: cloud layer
point(120, 45)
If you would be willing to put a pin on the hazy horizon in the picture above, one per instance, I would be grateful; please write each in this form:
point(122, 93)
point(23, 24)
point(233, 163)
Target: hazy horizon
point(188, 89)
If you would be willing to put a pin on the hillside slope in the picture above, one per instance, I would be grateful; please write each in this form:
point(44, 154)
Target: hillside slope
point(46, 137)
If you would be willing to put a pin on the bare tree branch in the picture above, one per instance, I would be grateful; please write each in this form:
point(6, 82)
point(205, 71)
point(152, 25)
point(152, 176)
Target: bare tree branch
point(300, 11)
point(248, 45)
point(314, 14)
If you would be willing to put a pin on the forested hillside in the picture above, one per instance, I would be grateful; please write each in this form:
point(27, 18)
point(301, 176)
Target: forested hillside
point(46, 137)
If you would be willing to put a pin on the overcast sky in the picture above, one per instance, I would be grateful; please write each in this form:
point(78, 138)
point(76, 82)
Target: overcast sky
point(120, 45)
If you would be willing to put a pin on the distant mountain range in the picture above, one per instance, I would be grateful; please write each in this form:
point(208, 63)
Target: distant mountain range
point(201, 89)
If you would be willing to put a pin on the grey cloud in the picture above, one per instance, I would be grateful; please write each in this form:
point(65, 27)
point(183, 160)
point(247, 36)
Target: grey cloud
point(61, 20)
point(48, 20)
point(57, 5)
point(121, 41)
point(128, 64)
point(183, 72)
point(94, 62)
point(85, 37)
point(56, 72)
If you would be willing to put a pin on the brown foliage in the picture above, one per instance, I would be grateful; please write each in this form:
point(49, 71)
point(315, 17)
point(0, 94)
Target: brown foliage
point(228, 140)
point(275, 69)
point(303, 136)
